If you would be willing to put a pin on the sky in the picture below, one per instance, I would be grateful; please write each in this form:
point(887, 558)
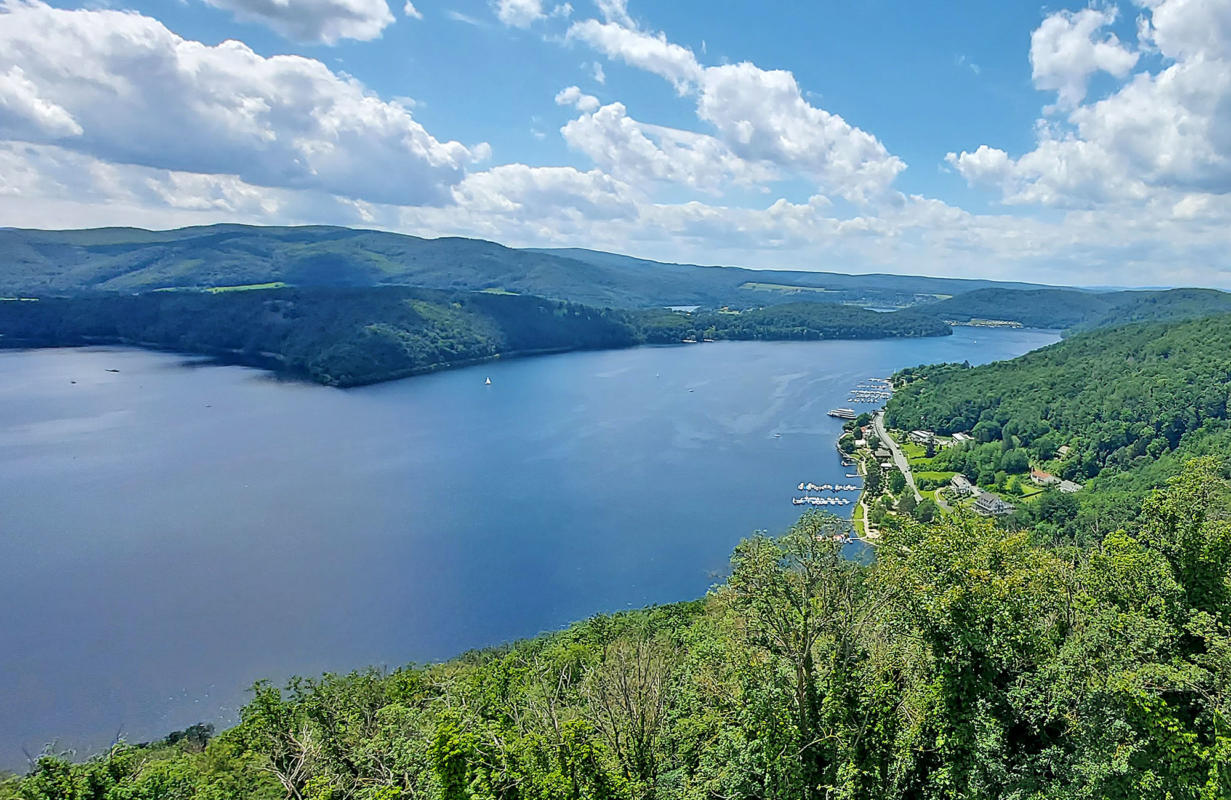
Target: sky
point(1066, 143)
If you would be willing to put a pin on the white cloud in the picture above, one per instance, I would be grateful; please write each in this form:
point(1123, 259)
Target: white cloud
point(573, 96)
point(318, 21)
point(1189, 29)
point(599, 75)
point(522, 206)
point(540, 193)
point(121, 122)
point(23, 112)
point(637, 152)
point(1067, 49)
point(1162, 132)
point(458, 16)
point(760, 115)
point(120, 86)
point(410, 10)
point(615, 11)
point(519, 13)
point(642, 50)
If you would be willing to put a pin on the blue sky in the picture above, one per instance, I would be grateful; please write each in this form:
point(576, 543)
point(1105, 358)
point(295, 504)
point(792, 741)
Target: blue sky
point(1070, 143)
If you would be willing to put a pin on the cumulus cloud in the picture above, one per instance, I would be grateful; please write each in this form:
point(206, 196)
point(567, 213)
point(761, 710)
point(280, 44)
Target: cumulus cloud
point(120, 86)
point(1162, 132)
point(110, 119)
point(1069, 47)
point(638, 152)
point(410, 10)
point(760, 115)
point(519, 13)
point(573, 96)
point(540, 193)
point(1189, 29)
point(23, 111)
point(646, 51)
point(315, 21)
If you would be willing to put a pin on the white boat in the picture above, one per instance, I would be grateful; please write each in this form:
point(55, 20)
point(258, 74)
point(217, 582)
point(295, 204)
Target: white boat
point(487, 382)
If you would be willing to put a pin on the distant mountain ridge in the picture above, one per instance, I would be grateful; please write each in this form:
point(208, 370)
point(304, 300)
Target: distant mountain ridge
point(137, 260)
point(1074, 310)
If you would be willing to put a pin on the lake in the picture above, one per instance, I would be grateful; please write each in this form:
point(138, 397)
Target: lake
point(172, 531)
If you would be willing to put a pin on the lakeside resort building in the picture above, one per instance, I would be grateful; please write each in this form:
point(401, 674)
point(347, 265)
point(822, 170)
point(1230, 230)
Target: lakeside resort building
point(989, 505)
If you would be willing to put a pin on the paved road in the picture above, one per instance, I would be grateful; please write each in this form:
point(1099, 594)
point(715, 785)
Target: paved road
point(878, 424)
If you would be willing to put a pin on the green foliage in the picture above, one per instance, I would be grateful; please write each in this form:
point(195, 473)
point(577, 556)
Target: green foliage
point(1130, 403)
point(352, 336)
point(130, 260)
point(1072, 309)
point(964, 662)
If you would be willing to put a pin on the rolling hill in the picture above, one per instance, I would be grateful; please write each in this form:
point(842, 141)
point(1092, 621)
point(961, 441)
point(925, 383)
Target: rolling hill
point(134, 260)
point(1074, 310)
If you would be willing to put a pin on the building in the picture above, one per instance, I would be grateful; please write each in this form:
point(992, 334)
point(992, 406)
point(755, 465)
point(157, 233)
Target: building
point(1064, 450)
point(922, 437)
point(861, 443)
point(961, 486)
point(989, 505)
point(1041, 478)
point(962, 437)
point(881, 454)
point(1069, 487)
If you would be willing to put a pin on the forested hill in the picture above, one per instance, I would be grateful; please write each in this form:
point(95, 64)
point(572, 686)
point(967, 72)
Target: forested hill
point(132, 260)
point(1070, 309)
point(965, 662)
point(1130, 403)
point(352, 336)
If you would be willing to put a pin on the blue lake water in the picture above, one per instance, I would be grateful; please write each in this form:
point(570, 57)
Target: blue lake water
point(169, 533)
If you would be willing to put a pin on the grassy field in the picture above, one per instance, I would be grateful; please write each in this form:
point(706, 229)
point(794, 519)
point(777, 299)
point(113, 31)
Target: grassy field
point(913, 452)
point(858, 520)
point(935, 475)
point(782, 287)
point(248, 287)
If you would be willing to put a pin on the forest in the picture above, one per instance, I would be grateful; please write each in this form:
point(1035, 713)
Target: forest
point(1117, 409)
point(134, 260)
point(1076, 310)
point(966, 661)
point(347, 336)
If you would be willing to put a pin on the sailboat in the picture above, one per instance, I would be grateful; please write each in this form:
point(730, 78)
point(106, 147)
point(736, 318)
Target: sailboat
point(487, 382)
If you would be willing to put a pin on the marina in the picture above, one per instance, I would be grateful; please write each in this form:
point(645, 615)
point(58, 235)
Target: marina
point(812, 500)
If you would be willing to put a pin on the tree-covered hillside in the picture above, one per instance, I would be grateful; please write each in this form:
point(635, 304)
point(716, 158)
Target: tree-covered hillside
point(1127, 404)
point(1067, 309)
point(131, 260)
point(965, 662)
point(350, 336)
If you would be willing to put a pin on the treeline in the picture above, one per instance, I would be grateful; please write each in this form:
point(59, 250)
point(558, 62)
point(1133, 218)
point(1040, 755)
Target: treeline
point(340, 336)
point(350, 336)
point(1120, 408)
point(134, 260)
point(966, 662)
point(793, 321)
point(1076, 310)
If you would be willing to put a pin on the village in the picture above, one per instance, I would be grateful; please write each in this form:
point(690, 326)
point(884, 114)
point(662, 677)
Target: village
point(902, 478)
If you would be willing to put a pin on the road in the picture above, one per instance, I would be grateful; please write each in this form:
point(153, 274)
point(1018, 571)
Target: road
point(878, 425)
